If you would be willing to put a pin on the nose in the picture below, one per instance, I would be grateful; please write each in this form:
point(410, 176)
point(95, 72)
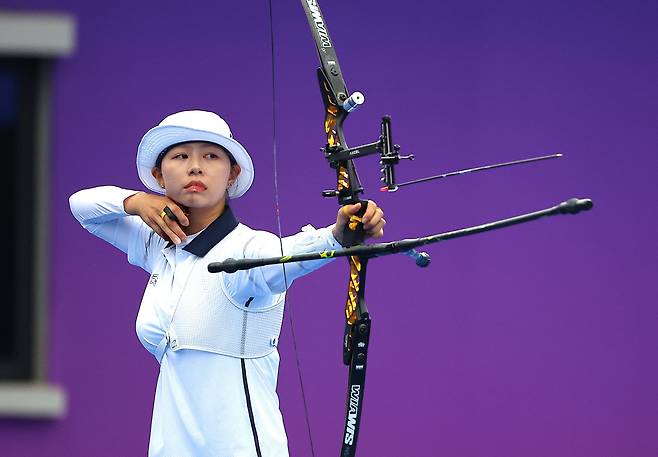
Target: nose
point(195, 167)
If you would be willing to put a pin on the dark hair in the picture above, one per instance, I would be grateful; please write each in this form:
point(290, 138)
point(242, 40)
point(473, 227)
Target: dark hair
point(158, 161)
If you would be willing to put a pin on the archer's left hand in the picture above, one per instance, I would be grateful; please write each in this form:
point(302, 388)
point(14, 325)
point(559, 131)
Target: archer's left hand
point(373, 220)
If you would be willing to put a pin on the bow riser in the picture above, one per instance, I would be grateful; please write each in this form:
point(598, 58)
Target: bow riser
point(355, 352)
point(348, 186)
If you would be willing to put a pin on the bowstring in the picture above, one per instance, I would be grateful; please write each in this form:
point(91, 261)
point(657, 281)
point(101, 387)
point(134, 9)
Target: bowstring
point(287, 306)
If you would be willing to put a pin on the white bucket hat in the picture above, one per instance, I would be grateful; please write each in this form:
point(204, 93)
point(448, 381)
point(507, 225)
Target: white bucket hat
point(192, 126)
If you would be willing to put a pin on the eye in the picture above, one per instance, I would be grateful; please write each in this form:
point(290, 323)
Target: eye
point(181, 155)
point(212, 155)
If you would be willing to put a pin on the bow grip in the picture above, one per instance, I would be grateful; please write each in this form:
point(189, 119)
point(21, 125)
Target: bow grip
point(353, 233)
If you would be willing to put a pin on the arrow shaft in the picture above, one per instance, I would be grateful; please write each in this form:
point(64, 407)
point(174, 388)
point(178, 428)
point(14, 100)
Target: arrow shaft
point(482, 168)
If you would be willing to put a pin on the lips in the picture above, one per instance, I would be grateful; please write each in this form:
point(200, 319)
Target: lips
point(195, 186)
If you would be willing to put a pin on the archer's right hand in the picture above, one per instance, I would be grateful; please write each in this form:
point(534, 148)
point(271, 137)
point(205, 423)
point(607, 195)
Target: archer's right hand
point(150, 208)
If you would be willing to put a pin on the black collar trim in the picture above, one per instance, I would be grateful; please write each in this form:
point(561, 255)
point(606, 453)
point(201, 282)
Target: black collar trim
point(213, 234)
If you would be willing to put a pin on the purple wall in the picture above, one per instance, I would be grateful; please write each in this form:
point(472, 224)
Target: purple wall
point(539, 340)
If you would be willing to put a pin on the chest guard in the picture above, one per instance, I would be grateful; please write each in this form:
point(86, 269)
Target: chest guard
point(207, 318)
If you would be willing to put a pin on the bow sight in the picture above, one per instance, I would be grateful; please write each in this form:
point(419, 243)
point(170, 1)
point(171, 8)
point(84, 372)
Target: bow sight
point(389, 156)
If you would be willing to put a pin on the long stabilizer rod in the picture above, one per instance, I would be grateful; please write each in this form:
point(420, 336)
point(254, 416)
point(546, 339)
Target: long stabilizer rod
point(572, 206)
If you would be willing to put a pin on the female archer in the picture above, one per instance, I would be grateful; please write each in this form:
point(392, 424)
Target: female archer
point(214, 335)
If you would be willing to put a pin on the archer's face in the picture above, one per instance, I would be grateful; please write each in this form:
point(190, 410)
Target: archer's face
point(196, 174)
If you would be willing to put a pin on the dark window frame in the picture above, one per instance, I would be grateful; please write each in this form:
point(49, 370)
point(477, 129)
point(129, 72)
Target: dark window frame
point(42, 38)
point(19, 138)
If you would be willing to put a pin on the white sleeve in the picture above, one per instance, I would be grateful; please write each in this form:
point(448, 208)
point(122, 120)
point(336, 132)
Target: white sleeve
point(100, 211)
point(271, 280)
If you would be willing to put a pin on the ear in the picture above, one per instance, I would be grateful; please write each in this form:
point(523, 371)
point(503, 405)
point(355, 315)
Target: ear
point(235, 171)
point(157, 174)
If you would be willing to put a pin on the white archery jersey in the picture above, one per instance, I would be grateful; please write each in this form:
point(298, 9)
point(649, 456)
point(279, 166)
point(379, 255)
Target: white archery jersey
point(214, 334)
